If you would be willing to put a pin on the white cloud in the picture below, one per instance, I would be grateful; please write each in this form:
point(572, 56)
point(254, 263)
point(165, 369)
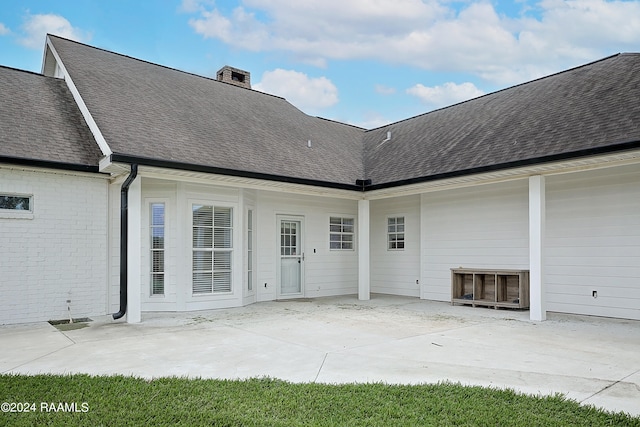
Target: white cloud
point(3, 29)
point(304, 92)
point(446, 94)
point(431, 34)
point(384, 90)
point(191, 6)
point(372, 120)
point(37, 26)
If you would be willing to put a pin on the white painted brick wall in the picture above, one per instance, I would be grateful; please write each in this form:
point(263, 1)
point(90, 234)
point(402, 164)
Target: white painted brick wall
point(60, 253)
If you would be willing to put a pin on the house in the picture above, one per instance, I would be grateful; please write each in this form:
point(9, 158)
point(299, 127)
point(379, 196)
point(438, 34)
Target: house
point(127, 186)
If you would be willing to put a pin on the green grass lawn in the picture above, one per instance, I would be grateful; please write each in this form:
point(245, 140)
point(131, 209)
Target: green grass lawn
point(128, 401)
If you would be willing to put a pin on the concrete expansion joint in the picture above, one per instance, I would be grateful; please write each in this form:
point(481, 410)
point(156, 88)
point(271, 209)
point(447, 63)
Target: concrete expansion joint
point(315, 380)
point(614, 383)
point(37, 358)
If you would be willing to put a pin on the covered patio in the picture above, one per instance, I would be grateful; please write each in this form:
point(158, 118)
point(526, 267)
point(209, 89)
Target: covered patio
point(342, 339)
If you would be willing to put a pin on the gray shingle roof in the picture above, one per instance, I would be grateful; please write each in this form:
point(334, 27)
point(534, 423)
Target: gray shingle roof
point(589, 107)
point(147, 110)
point(39, 120)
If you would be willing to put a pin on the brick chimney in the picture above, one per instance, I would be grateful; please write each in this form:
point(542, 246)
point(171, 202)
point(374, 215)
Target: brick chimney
point(235, 76)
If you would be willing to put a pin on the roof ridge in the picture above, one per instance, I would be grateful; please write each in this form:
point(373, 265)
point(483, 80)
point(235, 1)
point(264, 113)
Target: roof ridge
point(340, 123)
point(162, 66)
point(23, 71)
point(506, 88)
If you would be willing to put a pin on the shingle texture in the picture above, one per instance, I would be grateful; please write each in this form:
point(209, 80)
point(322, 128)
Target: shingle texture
point(39, 120)
point(588, 107)
point(147, 110)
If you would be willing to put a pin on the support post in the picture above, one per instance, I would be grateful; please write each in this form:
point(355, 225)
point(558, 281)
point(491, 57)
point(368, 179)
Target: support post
point(537, 213)
point(364, 279)
point(134, 244)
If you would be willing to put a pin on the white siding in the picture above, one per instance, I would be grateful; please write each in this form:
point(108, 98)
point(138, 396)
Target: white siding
point(395, 271)
point(479, 227)
point(327, 272)
point(59, 253)
point(114, 247)
point(593, 243)
point(249, 203)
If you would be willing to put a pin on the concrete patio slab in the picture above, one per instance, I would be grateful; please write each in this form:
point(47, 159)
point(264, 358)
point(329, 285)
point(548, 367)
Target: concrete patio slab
point(340, 339)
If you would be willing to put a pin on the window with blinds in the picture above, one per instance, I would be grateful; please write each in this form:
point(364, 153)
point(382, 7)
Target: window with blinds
point(157, 248)
point(212, 249)
point(250, 250)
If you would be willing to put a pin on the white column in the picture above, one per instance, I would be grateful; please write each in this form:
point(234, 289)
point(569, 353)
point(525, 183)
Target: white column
point(537, 213)
point(183, 260)
point(134, 286)
point(364, 284)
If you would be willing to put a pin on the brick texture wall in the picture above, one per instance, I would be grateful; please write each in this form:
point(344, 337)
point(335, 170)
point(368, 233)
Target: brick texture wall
point(58, 253)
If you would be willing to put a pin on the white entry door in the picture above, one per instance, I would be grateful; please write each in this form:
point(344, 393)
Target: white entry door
point(291, 258)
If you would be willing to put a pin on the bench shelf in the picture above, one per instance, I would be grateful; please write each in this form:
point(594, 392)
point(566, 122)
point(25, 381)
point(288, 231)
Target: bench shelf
point(490, 288)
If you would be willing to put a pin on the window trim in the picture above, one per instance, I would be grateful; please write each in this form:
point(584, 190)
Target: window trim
point(151, 226)
point(250, 251)
point(396, 232)
point(342, 233)
point(231, 249)
point(18, 213)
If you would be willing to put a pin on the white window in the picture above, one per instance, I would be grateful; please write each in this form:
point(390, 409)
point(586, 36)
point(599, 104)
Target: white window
point(157, 248)
point(212, 249)
point(15, 202)
point(250, 250)
point(395, 233)
point(341, 233)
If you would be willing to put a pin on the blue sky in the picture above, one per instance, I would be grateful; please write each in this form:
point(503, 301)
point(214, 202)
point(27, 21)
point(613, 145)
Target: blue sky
point(364, 62)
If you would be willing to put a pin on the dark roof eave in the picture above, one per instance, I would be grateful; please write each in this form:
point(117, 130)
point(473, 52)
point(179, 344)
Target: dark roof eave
point(624, 146)
point(48, 164)
point(145, 161)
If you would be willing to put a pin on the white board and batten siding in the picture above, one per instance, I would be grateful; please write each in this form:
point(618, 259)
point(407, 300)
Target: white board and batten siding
point(327, 272)
point(593, 243)
point(396, 271)
point(480, 227)
point(58, 252)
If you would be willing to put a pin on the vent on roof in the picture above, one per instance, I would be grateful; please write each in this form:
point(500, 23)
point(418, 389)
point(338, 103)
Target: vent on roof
point(387, 139)
point(235, 76)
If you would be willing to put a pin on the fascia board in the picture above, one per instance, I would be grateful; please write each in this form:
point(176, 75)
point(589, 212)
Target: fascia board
point(93, 126)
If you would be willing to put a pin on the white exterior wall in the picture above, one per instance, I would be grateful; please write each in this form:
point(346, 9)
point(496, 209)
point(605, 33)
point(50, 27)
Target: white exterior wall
point(178, 198)
point(113, 293)
point(593, 243)
point(395, 271)
point(249, 200)
point(327, 272)
point(59, 252)
point(481, 227)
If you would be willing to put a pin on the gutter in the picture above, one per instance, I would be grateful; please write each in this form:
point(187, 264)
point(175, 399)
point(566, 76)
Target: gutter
point(587, 152)
point(22, 161)
point(124, 239)
point(145, 161)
